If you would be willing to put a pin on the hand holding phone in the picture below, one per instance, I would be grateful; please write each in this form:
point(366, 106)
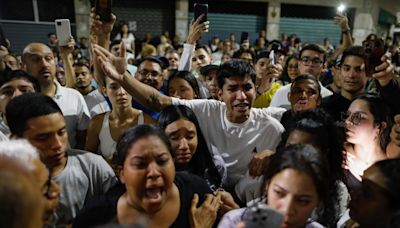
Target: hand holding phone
point(272, 57)
point(63, 31)
point(200, 9)
point(103, 9)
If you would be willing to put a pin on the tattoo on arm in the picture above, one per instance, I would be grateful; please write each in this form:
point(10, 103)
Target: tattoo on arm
point(154, 100)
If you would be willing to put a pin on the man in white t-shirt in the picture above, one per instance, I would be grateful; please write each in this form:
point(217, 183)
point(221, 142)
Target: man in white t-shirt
point(232, 128)
point(311, 62)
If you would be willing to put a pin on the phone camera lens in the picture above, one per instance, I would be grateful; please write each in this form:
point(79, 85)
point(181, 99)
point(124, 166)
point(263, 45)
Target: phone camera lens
point(58, 23)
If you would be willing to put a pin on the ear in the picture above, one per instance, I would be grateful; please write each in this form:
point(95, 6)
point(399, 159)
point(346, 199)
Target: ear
point(382, 126)
point(121, 174)
point(220, 94)
point(319, 100)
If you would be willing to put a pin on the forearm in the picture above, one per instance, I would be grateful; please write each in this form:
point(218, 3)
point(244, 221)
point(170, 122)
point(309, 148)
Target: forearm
point(144, 94)
point(69, 70)
point(185, 63)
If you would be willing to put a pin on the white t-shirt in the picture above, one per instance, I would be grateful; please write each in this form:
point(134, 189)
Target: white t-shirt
point(236, 143)
point(96, 103)
point(280, 98)
point(126, 40)
point(74, 109)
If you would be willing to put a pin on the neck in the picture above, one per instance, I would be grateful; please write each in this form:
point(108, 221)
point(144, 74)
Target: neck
point(369, 152)
point(86, 90)
point(350, 96)
point(237, 120)
point(56, 170)
point(48, 89)
point(122, 113)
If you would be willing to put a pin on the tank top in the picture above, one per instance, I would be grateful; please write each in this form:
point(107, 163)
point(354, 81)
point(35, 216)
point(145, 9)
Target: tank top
point(107, 143)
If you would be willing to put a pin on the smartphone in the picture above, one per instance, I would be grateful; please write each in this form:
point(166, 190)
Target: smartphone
point(200, 9)
point(340, 10)
point(260, 215)
point(272, 57)
point(103, 9)
point(63, 31)
point(374, 51)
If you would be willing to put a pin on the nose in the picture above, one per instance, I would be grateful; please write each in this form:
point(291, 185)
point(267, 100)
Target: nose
point(17, 93)
point(241, 95)
point(121, 91)
point(153, 171)
point(183, 144)
point(56, 142)
point(288, 207)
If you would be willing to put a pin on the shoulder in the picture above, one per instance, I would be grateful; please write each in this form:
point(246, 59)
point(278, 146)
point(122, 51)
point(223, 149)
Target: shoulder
point(99, 211)
point(86, 157)
point(190, 184)
point(98, 119)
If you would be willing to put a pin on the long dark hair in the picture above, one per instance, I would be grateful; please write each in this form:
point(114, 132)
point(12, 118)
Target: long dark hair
point(202, 163)
point(189, 77)
point(329, 140)
point(306, 159)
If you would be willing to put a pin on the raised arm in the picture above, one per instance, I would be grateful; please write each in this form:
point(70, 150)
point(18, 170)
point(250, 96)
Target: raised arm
point(115, 68)
point(347, 41)
point(195, 31)
point(66, 56)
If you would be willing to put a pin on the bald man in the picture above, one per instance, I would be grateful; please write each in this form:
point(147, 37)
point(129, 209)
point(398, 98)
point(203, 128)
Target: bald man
point(38, 60)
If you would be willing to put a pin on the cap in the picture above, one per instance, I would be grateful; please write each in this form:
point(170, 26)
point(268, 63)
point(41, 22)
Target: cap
point(205, 69)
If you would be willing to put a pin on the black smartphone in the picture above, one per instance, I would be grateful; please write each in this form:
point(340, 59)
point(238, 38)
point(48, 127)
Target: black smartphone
point(374, 51)
point(200, 9)
point(103, 9)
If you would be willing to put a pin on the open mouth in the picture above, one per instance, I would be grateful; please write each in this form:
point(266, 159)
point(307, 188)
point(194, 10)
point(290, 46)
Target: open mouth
point(241, 106)
point(153, 194)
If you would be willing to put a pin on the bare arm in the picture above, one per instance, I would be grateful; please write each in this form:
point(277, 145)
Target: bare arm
point(65, 54)
point(347, 40)
point(195, 31)
point(115, 68)
point(92, 139)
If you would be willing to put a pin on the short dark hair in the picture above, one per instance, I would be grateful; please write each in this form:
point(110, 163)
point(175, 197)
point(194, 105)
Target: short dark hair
point(189, 77)
point(153, 59)
point(235, 67)
point(353, 51)
point(132, 135)
point(27, 106)
point(20, 74)
point(304, 77)
point(312, 47)
point(82, 64)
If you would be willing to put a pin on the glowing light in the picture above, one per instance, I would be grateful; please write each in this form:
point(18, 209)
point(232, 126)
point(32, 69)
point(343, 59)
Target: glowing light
point(341, 8)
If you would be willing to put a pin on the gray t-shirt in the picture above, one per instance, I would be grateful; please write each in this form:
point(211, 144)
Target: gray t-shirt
point(85, 175)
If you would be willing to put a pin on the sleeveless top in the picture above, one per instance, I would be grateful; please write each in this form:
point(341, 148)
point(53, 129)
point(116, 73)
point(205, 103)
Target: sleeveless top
point(107, 144)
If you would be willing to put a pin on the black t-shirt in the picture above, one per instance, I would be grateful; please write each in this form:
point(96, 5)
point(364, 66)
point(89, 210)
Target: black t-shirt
point(335, 105)
point(103, 210)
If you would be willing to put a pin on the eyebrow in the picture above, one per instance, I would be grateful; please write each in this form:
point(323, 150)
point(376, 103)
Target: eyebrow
point(298, 195)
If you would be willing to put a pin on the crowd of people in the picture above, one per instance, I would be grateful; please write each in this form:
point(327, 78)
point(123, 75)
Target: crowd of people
point(115, 132)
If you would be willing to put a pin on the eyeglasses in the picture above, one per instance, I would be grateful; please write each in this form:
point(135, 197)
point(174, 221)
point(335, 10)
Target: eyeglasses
point(354, 118)
point(314, 61)
point(153, 74)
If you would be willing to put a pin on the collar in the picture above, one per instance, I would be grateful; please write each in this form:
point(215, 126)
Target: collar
point(58, 93)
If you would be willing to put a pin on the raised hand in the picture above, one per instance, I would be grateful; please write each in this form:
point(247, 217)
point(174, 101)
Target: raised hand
point(196, 29)
point(113, 66)
point(69, 48)
point(259, 162)
point(342, 21)
point(385, 71)
point(205, 215)
point(98, 27)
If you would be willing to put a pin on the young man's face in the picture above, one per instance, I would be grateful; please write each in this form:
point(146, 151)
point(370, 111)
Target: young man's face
point(352, 74)
point(311, 62)
point(238, 93)
point(13, 89)
point(39, 61)
point(83, 77)
point(304, 95)
point(200, 58)
point(48, 134)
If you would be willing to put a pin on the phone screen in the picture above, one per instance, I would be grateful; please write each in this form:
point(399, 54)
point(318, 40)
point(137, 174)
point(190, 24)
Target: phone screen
point(200, 9)
point(103, 9)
